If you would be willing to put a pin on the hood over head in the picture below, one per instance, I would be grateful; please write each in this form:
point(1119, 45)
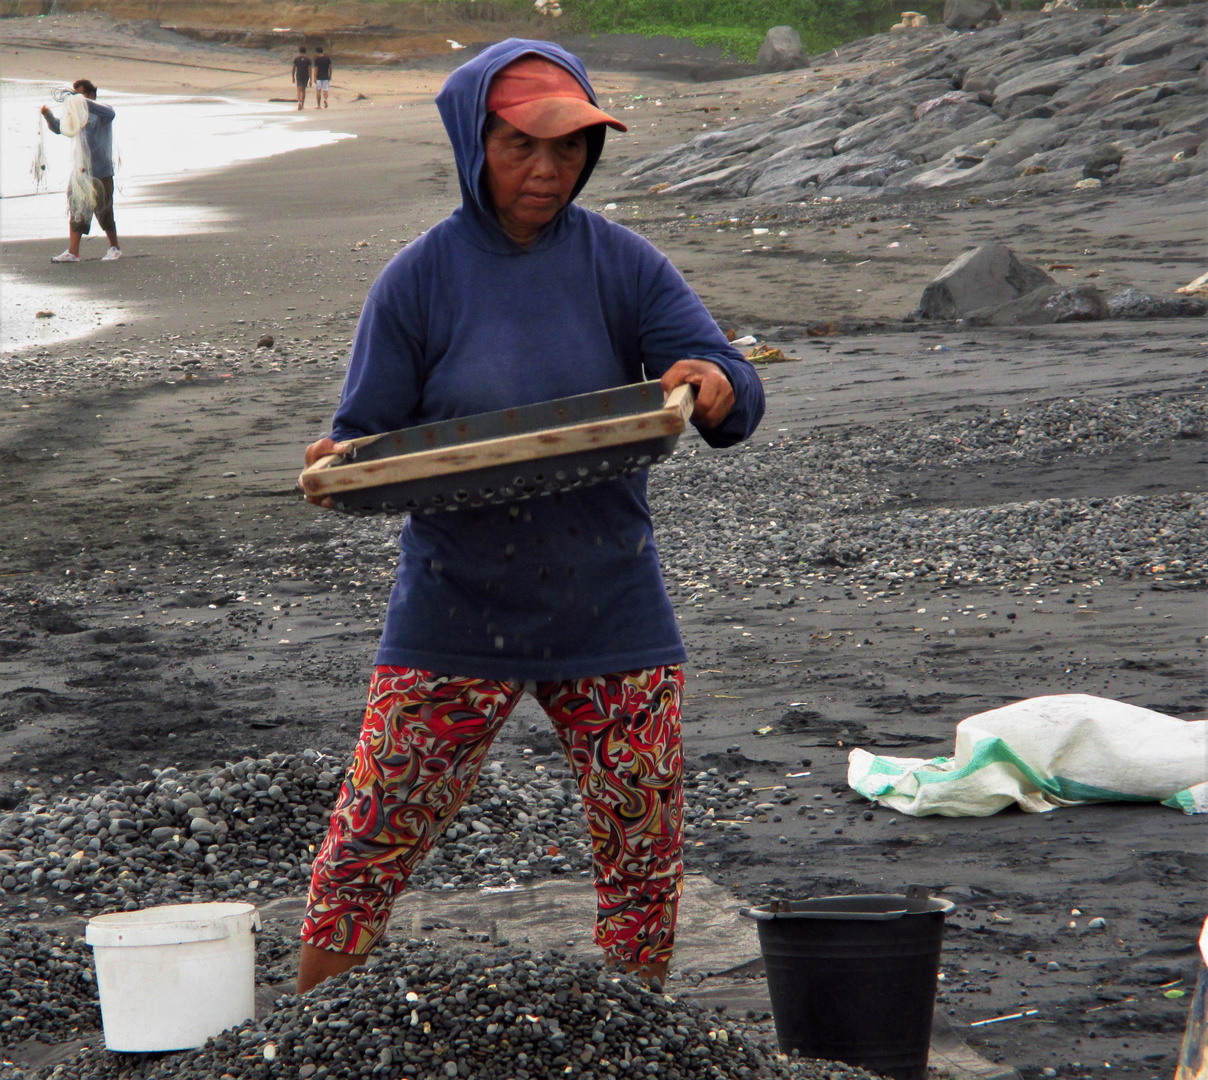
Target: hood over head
point(462, 103)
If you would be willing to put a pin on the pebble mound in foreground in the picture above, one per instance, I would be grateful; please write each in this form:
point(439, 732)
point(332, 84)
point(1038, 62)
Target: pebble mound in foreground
point(428, 1013)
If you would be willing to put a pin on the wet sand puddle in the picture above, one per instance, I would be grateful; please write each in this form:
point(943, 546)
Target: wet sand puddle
point(43, 314)
point(157, 139)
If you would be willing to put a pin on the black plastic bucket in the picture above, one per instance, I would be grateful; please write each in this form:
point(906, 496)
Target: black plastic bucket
point(852, 978)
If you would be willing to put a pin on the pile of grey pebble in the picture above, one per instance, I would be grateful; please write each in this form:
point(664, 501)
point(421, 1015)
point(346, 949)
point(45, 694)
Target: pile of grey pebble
point(432, 1013)
point(826, 505)
point(47, 989)
point(829, 505)
point(1042, 103)
point(822, 504)
point(248, 831)
point(54, 370)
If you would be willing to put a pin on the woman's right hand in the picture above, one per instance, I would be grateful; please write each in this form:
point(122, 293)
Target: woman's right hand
point(316, 451)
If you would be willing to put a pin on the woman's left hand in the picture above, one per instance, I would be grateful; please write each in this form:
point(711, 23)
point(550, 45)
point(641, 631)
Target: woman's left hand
point(714, 394)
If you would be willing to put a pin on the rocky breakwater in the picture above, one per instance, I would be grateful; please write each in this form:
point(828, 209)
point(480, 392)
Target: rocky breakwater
point(1045, 102)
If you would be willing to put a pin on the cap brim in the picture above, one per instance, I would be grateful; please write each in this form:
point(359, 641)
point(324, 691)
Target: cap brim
point(551, 117)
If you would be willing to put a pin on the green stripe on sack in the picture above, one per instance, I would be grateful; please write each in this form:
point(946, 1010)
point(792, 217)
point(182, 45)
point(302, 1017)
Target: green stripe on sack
point(993, 751)
point(883, 767)
point(1192, 800)
point(1181, 800)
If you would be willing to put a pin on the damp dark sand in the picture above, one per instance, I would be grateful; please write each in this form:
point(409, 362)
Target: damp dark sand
point(140, 510)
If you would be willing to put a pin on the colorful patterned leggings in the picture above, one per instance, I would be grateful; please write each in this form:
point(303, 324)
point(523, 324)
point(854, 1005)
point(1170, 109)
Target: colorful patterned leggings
point(423, 743)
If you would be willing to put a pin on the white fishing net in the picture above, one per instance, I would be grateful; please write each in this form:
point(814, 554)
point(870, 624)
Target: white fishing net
point(37, 169)
point(81, 191)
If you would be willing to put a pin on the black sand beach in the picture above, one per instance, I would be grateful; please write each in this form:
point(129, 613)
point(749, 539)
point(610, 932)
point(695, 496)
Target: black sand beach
point(169, 599)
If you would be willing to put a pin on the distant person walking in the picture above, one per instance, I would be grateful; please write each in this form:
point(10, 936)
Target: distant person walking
point(322, 77)
point(301, 74)
point(90, 189)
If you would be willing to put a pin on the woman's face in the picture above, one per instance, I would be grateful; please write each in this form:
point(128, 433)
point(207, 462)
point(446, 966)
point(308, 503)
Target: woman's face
point(531, 179)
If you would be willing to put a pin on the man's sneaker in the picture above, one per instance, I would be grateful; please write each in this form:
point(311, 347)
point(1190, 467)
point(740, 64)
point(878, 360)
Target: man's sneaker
point(112, 255)
point(66, 256)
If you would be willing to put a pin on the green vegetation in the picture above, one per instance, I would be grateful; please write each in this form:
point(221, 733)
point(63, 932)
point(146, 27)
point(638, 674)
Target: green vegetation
point(737, 41)
point(739, 26)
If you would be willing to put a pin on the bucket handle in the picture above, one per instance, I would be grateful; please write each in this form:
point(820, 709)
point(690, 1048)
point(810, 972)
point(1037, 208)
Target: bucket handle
point(847, 916)
point(99, 935)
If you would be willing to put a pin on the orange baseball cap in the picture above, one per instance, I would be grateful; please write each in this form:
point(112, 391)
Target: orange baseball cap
point(544, 100)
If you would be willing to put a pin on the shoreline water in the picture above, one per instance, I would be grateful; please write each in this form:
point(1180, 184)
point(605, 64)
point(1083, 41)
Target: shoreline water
point(167, 216)
point(160, 140)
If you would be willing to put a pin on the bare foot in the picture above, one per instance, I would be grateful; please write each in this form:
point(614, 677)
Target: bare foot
point(649, 972)
point(315, 965)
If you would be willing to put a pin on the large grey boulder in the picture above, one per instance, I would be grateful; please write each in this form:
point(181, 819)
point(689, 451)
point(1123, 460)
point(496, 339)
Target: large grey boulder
point(1043, 307)
point(985, 277)
point(967, 14)
point(781, 51)
point(1102, 162)
point(1039, 80)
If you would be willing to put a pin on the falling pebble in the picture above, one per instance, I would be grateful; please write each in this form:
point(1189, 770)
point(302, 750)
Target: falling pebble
point(1097, 924)
point(266, 342)
point(1075, 911)
point(1174, 995)
point(45, 315)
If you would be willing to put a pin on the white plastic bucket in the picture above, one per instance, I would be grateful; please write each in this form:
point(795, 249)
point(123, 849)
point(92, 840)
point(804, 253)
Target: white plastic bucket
point(171, 977)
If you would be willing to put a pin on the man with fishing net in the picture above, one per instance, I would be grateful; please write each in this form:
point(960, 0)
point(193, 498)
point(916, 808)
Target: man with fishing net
point(90, 189)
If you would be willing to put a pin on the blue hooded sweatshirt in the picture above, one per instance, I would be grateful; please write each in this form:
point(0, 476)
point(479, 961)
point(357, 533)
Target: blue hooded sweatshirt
point(465, 320)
